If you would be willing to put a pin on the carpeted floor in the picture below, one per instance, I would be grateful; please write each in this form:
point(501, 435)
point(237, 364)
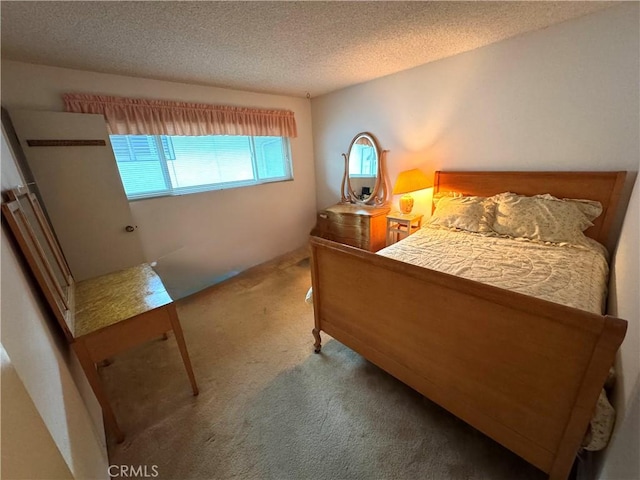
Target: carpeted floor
point(269, 408)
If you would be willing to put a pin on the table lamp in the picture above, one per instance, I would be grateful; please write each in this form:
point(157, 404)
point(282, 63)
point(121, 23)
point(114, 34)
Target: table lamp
point(407, 182)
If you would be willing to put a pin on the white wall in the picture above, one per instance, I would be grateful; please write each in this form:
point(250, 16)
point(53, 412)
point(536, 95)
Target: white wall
point(621, 460)
point(28, 451)
point(622, 457)
point(625, 303)
point(43, 362)
point(202, 237)
point(563, 98)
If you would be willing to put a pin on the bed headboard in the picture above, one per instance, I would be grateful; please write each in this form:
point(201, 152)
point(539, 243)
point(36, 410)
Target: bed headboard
point(605, 187)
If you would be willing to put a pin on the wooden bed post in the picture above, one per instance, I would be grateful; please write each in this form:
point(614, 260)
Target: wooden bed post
point(611, 337)
point(317, 345)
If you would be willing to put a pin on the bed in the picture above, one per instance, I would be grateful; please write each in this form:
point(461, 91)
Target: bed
point(526, 370)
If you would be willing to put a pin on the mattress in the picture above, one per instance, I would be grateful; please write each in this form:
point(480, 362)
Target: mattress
point(571, 275)
point(575, 276)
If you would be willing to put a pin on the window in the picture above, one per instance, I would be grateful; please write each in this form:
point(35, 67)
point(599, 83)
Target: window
point(155, 165)
point(362, 161)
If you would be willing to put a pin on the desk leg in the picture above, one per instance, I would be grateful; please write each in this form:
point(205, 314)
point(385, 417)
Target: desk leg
point(182, 346)
point(96, 385)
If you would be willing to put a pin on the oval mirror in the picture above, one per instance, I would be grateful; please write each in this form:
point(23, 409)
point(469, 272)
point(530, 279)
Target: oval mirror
point(363, 180)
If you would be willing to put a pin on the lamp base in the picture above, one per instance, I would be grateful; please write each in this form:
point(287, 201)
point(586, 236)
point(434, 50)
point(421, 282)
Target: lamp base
point(406, 203)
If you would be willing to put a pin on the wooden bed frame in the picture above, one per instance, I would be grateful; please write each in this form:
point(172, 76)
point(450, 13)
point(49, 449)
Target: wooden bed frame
point(524, 371)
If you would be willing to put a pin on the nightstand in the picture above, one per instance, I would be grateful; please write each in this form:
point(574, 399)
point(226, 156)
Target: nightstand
point(401, 225)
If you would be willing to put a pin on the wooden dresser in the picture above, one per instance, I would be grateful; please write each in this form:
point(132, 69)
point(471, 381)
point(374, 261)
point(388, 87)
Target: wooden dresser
point(360, 226)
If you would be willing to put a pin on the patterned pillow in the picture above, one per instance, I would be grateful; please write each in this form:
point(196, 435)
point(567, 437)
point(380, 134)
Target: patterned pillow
point(544, 217)
point(466, 213)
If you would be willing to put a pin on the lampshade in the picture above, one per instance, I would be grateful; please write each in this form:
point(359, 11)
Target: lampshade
point(409, 181)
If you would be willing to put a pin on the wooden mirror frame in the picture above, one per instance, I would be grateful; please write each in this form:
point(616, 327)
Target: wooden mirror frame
point(380, 192)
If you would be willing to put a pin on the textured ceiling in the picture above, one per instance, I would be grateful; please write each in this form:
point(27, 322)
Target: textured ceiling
point(286, 48)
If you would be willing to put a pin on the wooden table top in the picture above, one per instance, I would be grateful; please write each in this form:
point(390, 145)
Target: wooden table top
point(114, 297)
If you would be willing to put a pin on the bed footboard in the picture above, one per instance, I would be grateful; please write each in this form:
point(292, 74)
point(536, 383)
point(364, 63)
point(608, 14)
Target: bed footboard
point(524, 371)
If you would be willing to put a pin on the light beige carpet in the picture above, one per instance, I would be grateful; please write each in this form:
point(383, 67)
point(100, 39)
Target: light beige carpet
point(269, 408)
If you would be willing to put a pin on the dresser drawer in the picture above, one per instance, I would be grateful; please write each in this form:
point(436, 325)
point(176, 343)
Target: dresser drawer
point(349, 220)
point(349, 230)
point(359, 242)
point(352, 225)
point(323, 224)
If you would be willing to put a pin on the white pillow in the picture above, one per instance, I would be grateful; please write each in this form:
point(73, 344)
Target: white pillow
point(543, 217)
point(465, 213)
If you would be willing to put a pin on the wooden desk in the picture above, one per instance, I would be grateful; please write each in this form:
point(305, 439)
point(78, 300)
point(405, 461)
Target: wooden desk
point(116, 312)
point(101, 316)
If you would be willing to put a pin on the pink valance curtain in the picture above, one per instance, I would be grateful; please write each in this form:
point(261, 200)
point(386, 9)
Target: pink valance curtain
point(135, 116)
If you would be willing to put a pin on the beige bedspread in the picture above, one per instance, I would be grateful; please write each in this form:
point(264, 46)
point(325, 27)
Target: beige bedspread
point(573, 276)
